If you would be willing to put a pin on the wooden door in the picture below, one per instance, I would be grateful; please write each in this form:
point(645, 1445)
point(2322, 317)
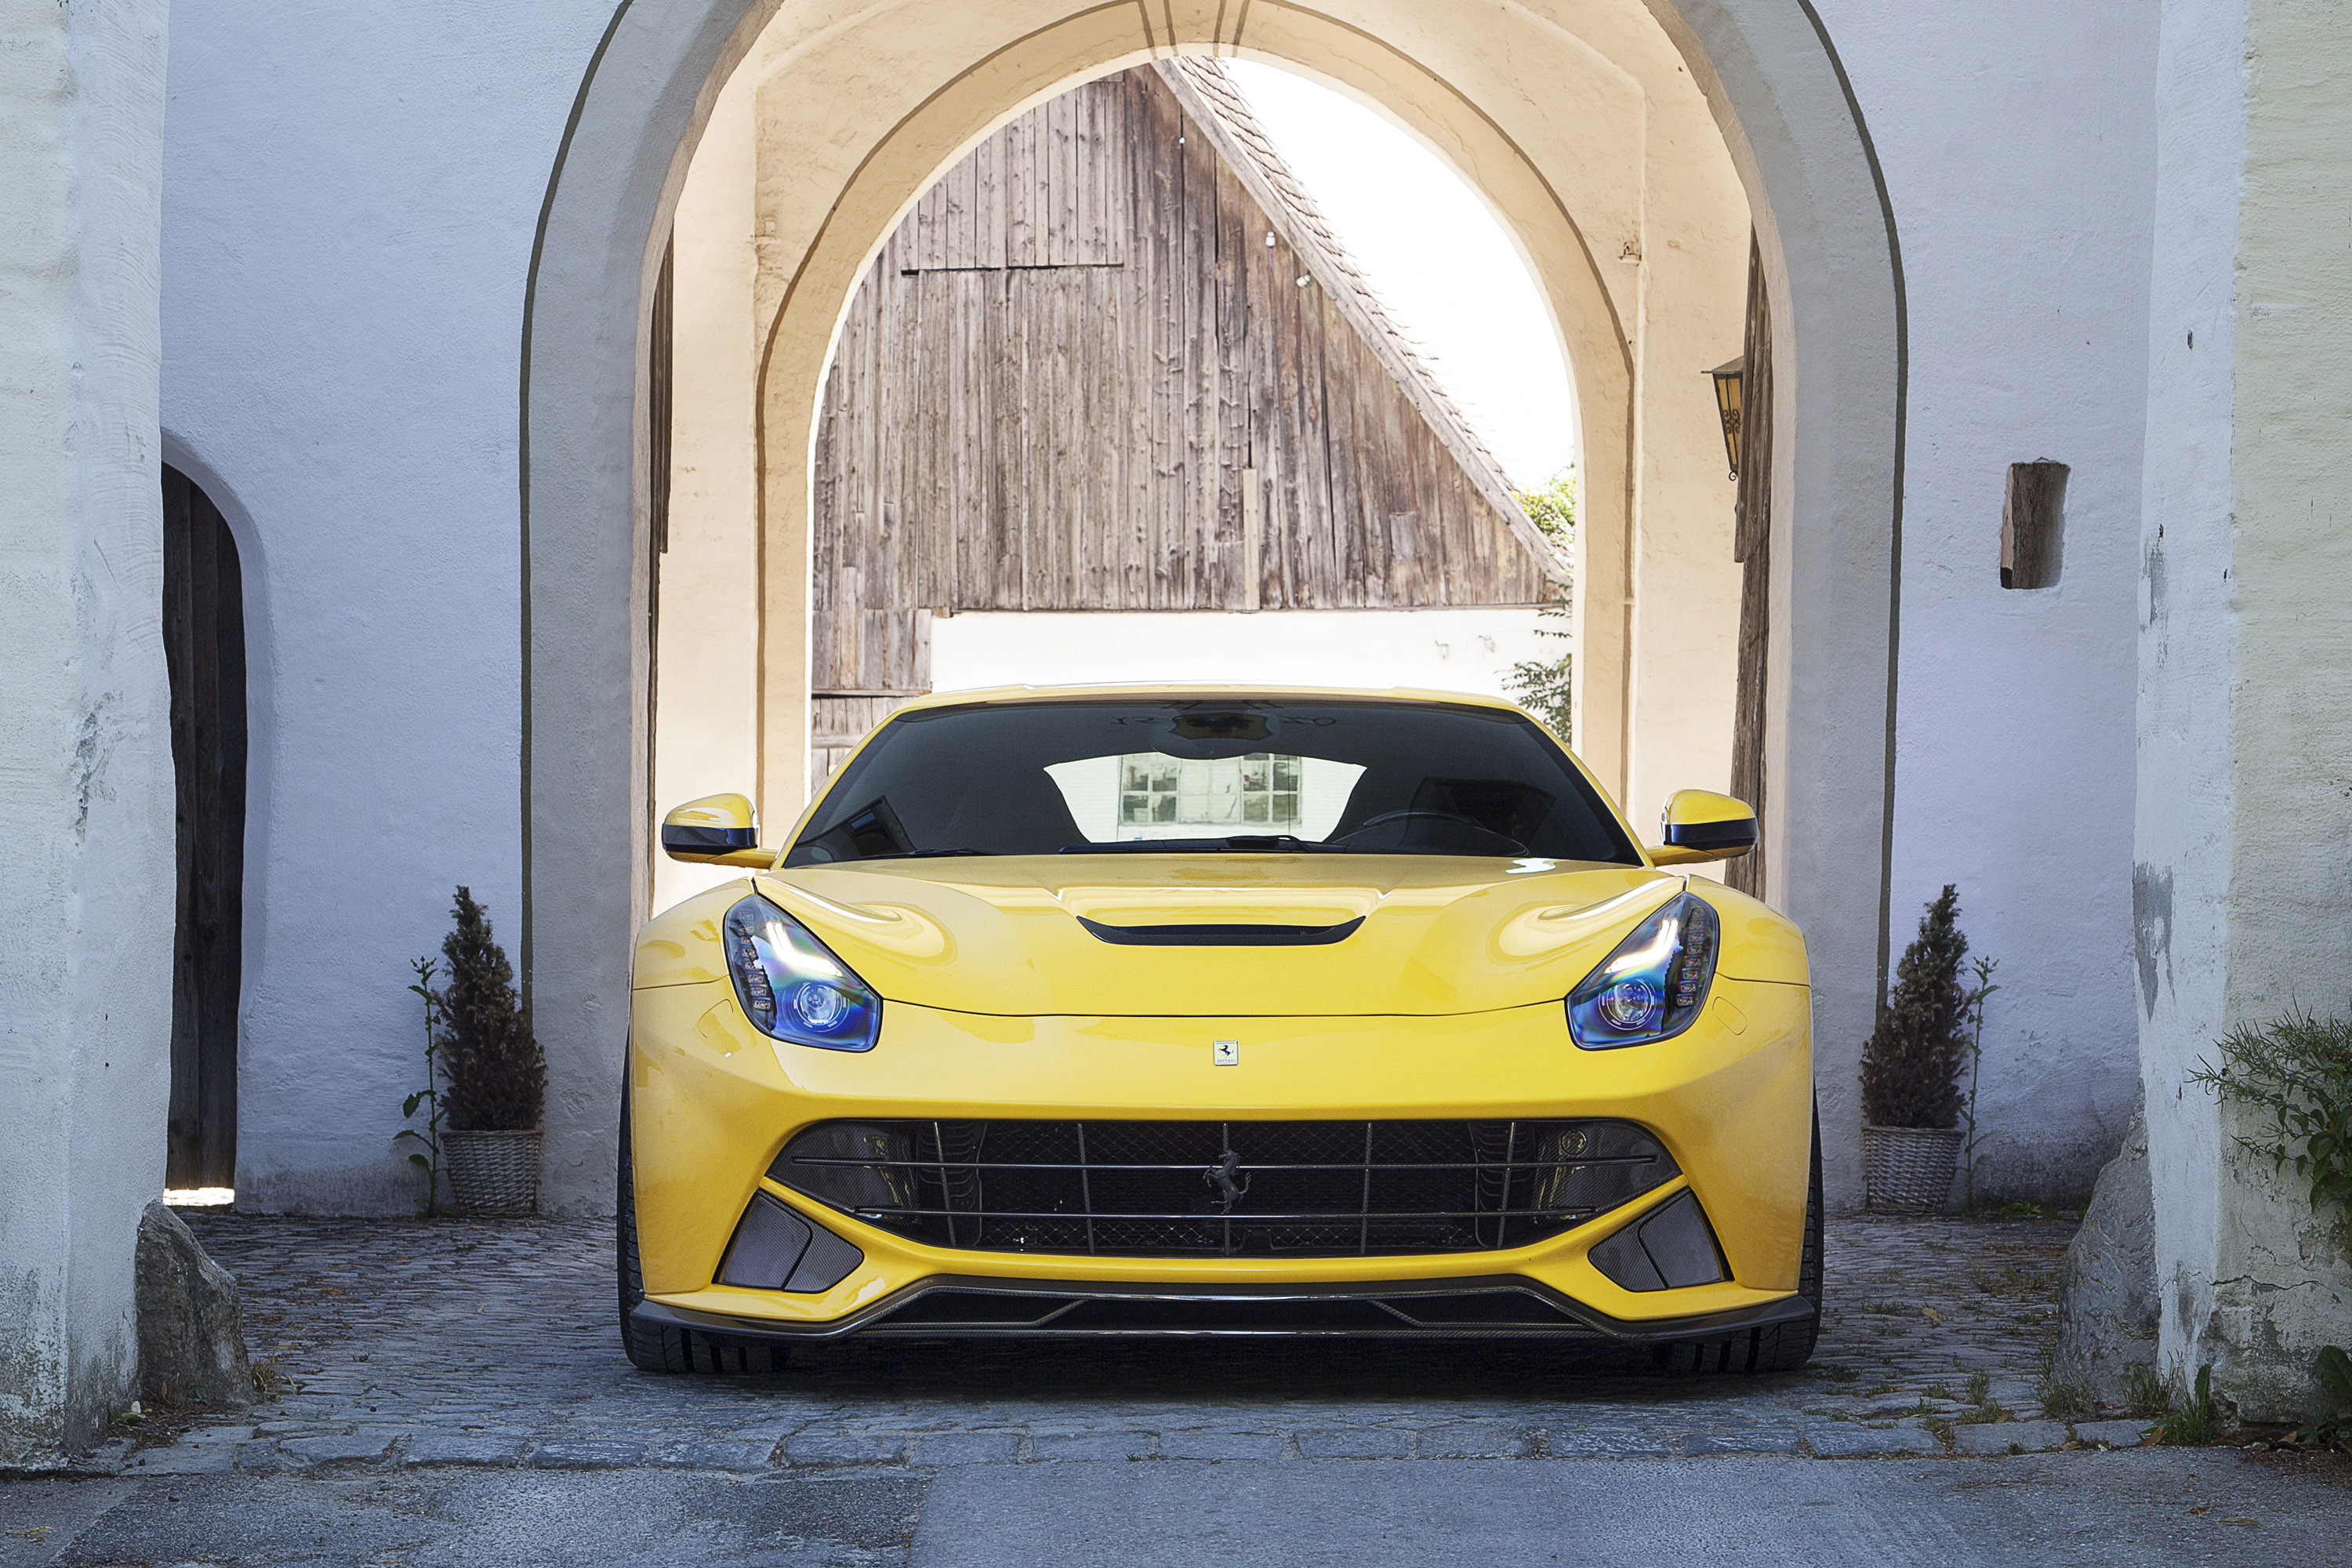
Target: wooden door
point(1752, 548)
point(204, 651)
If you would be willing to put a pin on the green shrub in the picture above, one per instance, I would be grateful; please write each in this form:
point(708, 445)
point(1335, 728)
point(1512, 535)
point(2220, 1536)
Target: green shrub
point(2299, 1069)
point(1911, 1068)
point(2190, 1422)
point(497, 1076)
point(1543, 686)
point(2144, 1392)
point(2333, 1368)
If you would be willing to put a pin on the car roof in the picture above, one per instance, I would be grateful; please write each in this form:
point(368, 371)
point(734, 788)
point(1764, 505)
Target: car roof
point(1210, 689)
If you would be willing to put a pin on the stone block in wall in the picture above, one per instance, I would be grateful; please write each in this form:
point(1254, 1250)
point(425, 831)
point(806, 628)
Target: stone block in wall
point(2108, 1307)
point(190, 1331)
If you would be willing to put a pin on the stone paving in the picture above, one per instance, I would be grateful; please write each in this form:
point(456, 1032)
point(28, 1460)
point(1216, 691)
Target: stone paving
point(417, 1344)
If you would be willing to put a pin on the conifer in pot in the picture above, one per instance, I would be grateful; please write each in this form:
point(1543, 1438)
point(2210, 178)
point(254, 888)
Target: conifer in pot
point(497, 1074)
point(1911, 1069)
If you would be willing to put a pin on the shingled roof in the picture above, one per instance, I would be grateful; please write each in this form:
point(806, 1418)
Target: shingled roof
point(1211, 98)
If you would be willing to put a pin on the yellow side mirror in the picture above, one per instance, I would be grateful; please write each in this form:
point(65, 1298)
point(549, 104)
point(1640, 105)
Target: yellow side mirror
point(717, 830)
point(1700, 825)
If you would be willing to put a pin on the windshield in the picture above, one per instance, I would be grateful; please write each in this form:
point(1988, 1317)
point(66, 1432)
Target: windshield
point(1171, 775)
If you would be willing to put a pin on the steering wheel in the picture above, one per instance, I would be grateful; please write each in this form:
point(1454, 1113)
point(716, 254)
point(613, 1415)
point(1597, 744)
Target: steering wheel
point(1372, 822)
point(1422, 810)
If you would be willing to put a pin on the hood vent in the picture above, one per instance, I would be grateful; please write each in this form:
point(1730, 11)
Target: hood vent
point(1222, 935)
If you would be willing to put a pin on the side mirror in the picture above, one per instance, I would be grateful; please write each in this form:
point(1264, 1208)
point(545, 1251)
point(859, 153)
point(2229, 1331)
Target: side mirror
point(717, 830)
point(1700, 825)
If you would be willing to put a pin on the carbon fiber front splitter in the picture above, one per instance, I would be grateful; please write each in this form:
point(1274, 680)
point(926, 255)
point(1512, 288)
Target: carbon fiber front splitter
point(1500, 1306)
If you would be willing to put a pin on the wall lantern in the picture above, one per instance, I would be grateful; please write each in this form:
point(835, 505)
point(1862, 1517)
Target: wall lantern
point(1727, 399)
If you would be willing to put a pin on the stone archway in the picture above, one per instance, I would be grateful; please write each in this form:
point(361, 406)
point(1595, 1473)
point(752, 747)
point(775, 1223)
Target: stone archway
point(907, 86)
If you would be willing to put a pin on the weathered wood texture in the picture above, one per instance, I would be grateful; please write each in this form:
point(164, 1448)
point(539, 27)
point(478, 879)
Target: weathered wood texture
point(1751, 546)
point(2032, 524)
point(203, 656)
point(1114, 359)
point(661, 380)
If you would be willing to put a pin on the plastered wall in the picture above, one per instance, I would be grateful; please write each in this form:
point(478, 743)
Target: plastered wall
point(86, 799)
point(2244, 805)
point(2026, 244)
point(349, 204)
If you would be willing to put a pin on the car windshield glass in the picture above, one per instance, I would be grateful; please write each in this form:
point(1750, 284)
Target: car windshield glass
point(1212, 776)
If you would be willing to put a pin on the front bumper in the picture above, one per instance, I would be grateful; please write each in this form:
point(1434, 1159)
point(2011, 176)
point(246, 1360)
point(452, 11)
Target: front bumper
point(957, 1307)
point(713, 1101)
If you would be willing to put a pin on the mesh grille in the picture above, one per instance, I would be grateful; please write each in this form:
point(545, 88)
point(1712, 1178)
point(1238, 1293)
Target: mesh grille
point(1169, 1189)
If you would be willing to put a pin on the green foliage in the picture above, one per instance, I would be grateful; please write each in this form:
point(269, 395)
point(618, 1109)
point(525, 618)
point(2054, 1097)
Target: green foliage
point(1543, 685)
point(427, 1156)
point(2299, 1069)
point(2190, 1423)
point(2144, 1392)
point(1911, 1068)
point(2333, 1368)
point(497, 1074)
point(1552, 509)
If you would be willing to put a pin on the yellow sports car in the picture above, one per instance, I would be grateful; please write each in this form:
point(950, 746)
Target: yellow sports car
point(1217, 1010)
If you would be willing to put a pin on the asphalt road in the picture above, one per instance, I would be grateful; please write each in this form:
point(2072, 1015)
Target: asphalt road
point(2144, 1508)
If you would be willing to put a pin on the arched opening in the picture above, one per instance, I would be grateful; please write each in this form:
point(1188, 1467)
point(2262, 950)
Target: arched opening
point(1116, 400)
point(876, 106)
point(203, 652)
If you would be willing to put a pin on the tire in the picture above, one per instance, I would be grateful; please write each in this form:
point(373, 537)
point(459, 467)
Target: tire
point(1779, 1347)
point(655, 1347)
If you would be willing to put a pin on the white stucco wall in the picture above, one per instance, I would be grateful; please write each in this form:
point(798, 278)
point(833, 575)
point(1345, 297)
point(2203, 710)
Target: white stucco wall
point(2182, 831)
point(706, 738)
point(2023, 197)
point(2244, 808)
point(1440, 650)
point(350, 198)
point(86, 803)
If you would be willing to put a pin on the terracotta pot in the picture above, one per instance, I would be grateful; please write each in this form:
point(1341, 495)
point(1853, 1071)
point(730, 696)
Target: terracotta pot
point(492, 1173)
point(1909, 1169)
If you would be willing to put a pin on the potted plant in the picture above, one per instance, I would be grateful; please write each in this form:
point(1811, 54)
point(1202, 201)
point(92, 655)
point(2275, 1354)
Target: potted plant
point(494, 1075)
point(1911, 1071)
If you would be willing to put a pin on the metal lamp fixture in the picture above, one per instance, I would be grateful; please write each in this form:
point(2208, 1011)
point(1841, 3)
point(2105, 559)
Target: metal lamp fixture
point(1727, 399)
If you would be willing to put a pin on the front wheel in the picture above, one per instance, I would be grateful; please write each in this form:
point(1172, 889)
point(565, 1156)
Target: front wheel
point(1780, 1347)
point(657, 1347)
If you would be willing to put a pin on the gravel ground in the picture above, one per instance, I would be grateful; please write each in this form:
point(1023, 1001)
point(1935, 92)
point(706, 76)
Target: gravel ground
point(453, 1392)
point(426, 1342)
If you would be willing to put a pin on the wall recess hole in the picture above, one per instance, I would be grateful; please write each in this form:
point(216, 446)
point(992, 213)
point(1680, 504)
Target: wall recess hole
point(2033, 525)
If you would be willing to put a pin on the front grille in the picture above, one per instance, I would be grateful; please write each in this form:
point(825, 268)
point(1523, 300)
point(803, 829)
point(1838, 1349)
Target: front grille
point(1183, 1189)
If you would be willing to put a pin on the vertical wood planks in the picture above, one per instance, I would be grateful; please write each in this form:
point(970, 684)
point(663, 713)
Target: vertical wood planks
point(1078, 377)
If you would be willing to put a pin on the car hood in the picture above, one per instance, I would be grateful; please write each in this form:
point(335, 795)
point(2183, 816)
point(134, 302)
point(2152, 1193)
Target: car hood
point(1438, 934)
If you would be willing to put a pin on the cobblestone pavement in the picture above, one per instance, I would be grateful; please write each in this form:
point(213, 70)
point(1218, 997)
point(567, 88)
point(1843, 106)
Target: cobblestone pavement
point(403, 1343)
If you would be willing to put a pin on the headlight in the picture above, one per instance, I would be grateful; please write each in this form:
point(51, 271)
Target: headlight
point(1654, 984)
point(790, 987)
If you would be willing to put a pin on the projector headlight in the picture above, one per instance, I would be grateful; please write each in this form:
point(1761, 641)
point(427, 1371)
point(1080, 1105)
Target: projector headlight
point(1655, 983)
point(792, 987)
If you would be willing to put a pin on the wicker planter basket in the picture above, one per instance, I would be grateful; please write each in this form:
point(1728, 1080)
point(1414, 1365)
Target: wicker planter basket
point(492, 1173)
point(1910, 1169)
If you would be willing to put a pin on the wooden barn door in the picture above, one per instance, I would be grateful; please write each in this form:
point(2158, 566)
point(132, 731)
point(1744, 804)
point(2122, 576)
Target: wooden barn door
point(203, 652)
point(1752, 548)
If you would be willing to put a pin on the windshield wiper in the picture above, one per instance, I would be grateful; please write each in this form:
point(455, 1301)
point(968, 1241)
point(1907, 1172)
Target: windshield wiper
point(1239, 844)
point(917, 854)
